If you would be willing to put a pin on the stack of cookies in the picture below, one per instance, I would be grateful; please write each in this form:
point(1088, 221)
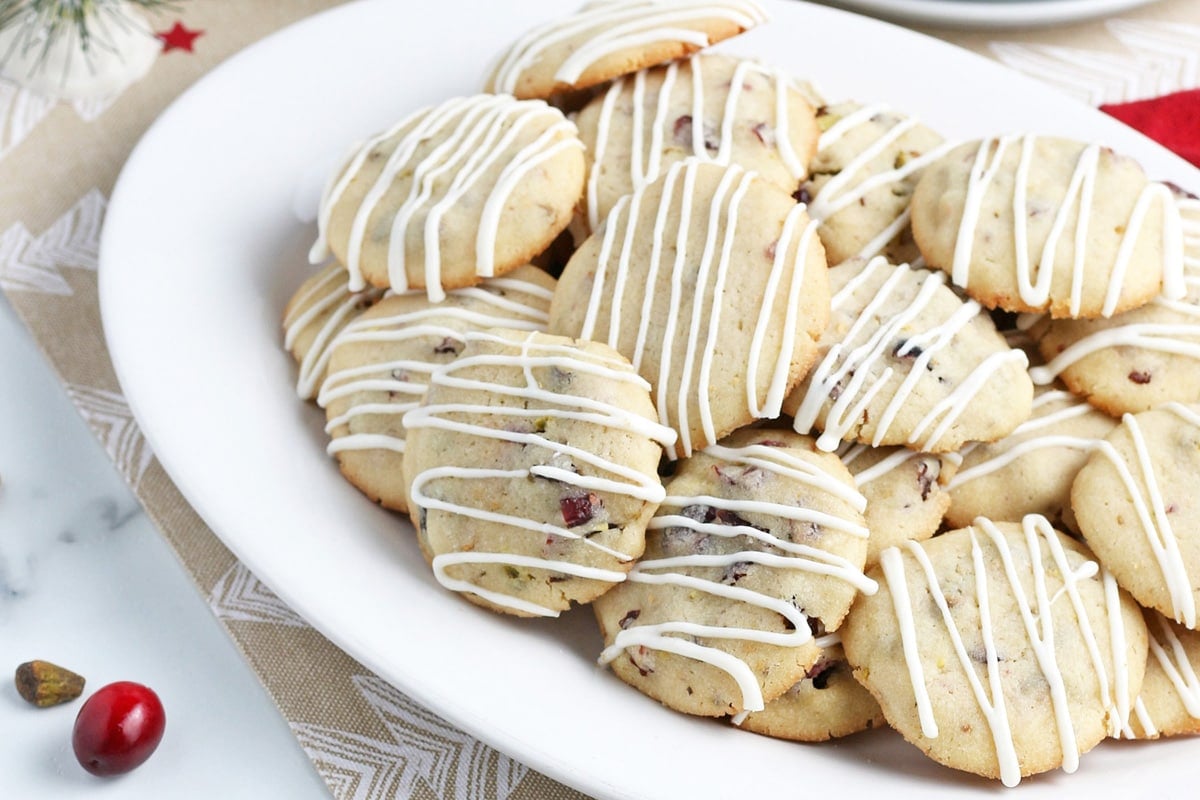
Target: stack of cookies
point(836, 424)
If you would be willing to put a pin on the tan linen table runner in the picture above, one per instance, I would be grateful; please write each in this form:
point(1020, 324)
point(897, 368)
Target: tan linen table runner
point(58, 163)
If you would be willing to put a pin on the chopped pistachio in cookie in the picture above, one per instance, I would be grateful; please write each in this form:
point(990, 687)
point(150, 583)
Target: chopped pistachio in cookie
point(1036, 223)
point(605, 40)
point(316, 312)
point(469, 189)
point(720, 109)
point(759, 542)
point(861, 181)
point(1001, 649)
point(532, 464)
point(381, 363)
point(905, 361)
point(713, 283)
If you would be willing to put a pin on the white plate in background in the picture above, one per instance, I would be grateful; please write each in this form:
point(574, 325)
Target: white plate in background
point(205, 240)
point(989, 13)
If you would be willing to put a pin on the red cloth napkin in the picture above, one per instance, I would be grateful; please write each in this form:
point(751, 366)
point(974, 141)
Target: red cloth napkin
point(1172, 120)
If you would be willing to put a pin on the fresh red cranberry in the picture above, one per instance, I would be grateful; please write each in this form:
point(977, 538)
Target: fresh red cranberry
point(118, 728)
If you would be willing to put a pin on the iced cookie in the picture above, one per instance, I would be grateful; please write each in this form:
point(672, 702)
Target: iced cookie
point(1031, 470)
point(1001, 649)
point(1169, 703)
point(827, 704)
point(759, 542)
point(1135, 502)
point(533, 469)
point(605, 40)
point(1034, 223)
point(719, 109)
point(319, 309)
point(906, 492)
point(861, 181)
point(381, 363)
point(713, 283)
point(1139, 359)
point(905, 361)
point(455, 193)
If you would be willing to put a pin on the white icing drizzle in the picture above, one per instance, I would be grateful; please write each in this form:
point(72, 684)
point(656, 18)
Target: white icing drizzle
point(614, 26)
point(1146, 336)
point(1035, 289)
point(525, 356)
point(1168, 651)
point(1143, 717)
point(828, 640)
point(1154, 336)
point(875, 246)
point(850, 371)
point(781, 462)
point(526, 308)
point(841, 190)
point(683, 394)
point(351, 160)
point(1150, 507)
point(474, 133)
point(710, 268)
point(651, 130)
point(445, 560)
point(329, 294)
point(351, 164)
point(777, 390)
point(1037, 621)
point(670, 571)
point(850, 452)
point(1180, 337)
point(1008, 450)
point(948, 409)
point(1120, 705)
point(891, 562)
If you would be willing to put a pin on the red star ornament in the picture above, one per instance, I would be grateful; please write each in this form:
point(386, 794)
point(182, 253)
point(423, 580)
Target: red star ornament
point(179, 38)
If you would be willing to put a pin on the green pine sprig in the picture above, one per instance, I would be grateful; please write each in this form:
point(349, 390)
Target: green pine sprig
point(39, 24)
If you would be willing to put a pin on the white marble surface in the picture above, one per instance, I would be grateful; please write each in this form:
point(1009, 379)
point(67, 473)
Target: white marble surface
point(87, 582)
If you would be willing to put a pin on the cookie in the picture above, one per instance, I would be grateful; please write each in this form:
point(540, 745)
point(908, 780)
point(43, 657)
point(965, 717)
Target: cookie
point(827, 704)
point(759, 542)
point(1169, 703)
point(1000, 649)
point(719, 109)
point(605, 40)
point(1136, 505)
point(906, 492)
point(1137, 360)
point(1035, 223)
point(533, 462)
point(381, 363)
point(713, 283)
point(1031, 470)
point(861, 181)
point(455, 193)
point(314, 315)
point(905, 361)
